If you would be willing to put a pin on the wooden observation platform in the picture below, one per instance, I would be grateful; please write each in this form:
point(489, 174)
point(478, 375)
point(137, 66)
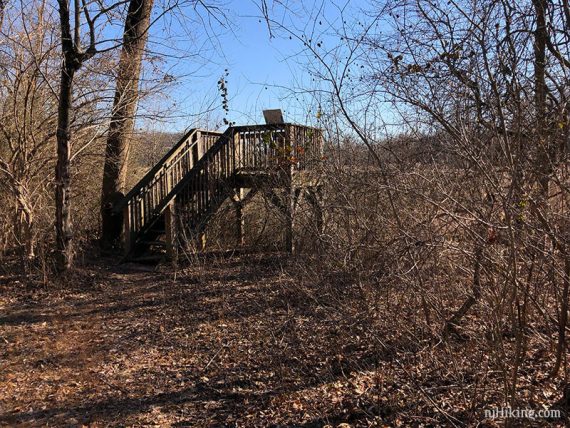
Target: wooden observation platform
point(186, 187)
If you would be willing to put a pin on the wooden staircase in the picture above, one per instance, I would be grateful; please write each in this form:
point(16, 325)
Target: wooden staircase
point(186, 187)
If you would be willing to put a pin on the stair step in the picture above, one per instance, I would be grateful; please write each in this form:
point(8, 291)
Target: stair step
point(148, 258)
point(158, 243)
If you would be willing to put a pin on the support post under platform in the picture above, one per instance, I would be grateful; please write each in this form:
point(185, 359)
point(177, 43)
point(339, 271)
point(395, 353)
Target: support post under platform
point(126, 230)
point(291, 199)
point(240, 221)
point(171, 227)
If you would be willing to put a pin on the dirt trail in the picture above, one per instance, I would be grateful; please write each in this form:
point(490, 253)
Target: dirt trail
point(222, 345)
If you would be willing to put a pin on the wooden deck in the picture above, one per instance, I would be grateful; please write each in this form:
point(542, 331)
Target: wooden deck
point(186, 187)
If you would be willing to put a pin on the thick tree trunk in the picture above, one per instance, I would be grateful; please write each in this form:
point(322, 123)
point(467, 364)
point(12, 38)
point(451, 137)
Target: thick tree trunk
point(64, 249)
point(122, 119)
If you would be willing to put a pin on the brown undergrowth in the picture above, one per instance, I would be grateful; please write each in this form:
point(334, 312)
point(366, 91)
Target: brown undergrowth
point(240, 341)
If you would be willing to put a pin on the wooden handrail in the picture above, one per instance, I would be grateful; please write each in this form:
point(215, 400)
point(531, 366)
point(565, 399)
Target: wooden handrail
point(152, 172)
point(280, 149)
point(198, 170)
point(142, 205)
point(174, 151)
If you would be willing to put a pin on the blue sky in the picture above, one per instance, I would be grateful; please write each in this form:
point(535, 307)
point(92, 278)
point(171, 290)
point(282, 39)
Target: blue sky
point(262, 70)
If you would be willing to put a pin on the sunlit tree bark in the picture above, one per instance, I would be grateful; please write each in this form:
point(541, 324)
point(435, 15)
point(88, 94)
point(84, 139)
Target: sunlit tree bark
point(124, 109)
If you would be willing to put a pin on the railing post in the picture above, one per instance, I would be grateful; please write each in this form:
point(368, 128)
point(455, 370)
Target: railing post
point(127, 229)
point(168, 175)
point(200, 142)
point(236, 151)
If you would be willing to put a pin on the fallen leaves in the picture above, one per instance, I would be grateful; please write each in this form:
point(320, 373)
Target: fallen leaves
point(224, 349)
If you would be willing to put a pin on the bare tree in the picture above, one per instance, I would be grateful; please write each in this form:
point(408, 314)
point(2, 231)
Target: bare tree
point(74, 56)
point(137, 24)
point(484, 83)
point(123, 114)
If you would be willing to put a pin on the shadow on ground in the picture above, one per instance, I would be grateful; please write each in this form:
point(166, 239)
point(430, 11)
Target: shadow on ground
point(227, 343)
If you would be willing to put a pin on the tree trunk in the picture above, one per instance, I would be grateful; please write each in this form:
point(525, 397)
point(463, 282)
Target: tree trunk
point(122, 118)
point(64, 249)
point(2, 6)
point(73, 58)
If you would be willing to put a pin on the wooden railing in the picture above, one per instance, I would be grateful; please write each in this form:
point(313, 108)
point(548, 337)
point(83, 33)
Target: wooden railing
point(206, 185)
point(281, 149)
point(198, 170)
point(277, 146)
point(143, 204)
point(306, 146)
